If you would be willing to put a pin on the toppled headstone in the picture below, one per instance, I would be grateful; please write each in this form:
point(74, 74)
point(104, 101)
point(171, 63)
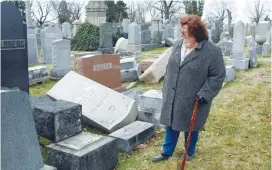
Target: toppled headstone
point(84, 151)
point(134, 94)
point(230, 73)
point(132, 135)
point(104, 69)
point(56, 120)
point(38, 74)
point(19, 143)
point(121, 45)
point(101, 106)
point(170, 42)
point(158, 69)
point(127, 63)
point(146, 63)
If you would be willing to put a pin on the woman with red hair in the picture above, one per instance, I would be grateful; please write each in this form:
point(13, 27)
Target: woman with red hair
point(195, 70)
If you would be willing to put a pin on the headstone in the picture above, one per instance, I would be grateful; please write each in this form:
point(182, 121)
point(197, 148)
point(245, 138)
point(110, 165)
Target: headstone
point(134, 94)
point(157, 70)
point(132, 135)
point(169, 42)
point(96, 12)
point(66, 30)
point(230, 73)
point(58, 33)
point(177, 33)
point(19, 143)
point(14, 60)
point(32, 47)
point(47, 167)
point(76, 26)
point(261, 34)
point(157, 37)
point(121, 45)
point(237, 57)
point(252, 52)
point(38, 37)
point(56, 120)
point(48, 35)
point(266, 49)
point(38, 74)
point(104, 69)
point(106, 46)
point(156, 24)
point(134, 38)
point(125, 25)
point(100, 105)
point(146, 63)
point(145, 26)
point(84, 151)
point(146, 37)
point(61, 63)
point(29, 20)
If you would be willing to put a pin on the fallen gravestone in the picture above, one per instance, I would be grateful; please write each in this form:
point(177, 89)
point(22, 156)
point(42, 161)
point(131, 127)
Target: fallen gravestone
point(14, 55)
point(132, 135)
point(157, 70)
point(84, 151)
point(146, 63)
point(102, 107)
point(104, 69)
point(134, 94)
point(121, 45)
point(38, 74)
point(130, 71)
point(19, 143)
point(56, 120)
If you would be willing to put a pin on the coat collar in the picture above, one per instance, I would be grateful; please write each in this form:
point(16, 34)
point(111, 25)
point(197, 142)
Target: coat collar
point(192, 55)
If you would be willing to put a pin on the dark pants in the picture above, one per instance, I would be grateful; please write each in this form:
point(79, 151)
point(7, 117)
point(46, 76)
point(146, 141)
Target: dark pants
point(171, 139)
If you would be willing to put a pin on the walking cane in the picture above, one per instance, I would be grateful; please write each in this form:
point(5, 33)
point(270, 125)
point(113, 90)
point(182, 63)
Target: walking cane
point(189, 136)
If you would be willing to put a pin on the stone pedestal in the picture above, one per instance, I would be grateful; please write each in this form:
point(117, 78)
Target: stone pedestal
point(56, 120)
point(230, 73)
point(151, 101)
point(266, 50)
point(84, 151)
point(239, 64)
point(130, 75)
point(132, 135)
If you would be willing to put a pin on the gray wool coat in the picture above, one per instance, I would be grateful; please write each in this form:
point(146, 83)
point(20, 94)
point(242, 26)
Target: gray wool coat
point(202, 72)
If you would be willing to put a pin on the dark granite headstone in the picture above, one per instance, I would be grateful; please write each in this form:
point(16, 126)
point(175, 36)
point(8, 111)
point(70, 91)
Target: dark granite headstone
point(56, 120)
point(146, 37)
point(106, 34)
point(19, 142)
point(14, 60)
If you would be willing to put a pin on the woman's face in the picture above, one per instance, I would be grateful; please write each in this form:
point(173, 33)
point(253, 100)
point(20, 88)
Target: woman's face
point(184, 31)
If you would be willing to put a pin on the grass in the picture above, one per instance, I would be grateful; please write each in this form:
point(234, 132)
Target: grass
point(236, 136)
point(151, 53)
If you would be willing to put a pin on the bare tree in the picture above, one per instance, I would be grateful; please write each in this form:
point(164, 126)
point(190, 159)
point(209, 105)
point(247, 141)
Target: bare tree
point(137, 12)
point(167, 9)
point(41, 12)
point(76, 9)
point(257, 11)
point(219, 10)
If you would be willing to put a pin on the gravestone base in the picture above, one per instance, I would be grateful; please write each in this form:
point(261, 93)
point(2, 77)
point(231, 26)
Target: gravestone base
point(266, 50)
point(47, 167)
point(58, 73)
point(150, 117)
point(230, 73)
point(84, 151)
point(238, 56)
point(239, 64)
point(37, 74)
point(56, 120)
point(130, 75)
point(106, 50)
point(127, 63)
point(134, 94)
point(132, 135)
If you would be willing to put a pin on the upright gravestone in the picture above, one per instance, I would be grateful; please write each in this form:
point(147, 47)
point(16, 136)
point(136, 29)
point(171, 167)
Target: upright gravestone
point(48, 35)
point(125, 25)
point(32, 47)
point(106, 46)
point(134, 38)
point(104, 69)
point(14, 61)
point(76, 26)
point(177, 33)
point(19, 143)
point(66, 30)
point(237, 57)
point(251, 52)
point(61, 62)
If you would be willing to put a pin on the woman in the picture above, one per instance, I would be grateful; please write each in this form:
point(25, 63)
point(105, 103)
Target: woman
point(195, 70)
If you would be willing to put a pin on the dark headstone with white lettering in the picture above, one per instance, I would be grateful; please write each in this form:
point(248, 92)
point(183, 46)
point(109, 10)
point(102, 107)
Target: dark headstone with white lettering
point(14, 60)
point(106, 46)
point(19, 142)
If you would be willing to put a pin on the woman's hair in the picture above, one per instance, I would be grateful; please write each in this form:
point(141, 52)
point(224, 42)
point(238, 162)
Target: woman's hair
point(196, 27)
